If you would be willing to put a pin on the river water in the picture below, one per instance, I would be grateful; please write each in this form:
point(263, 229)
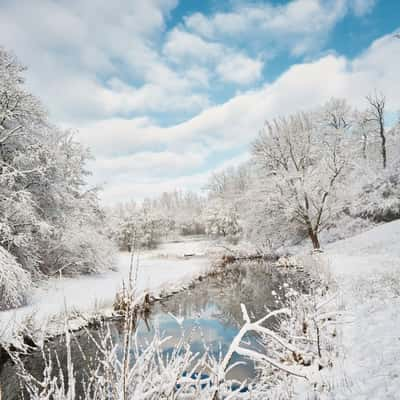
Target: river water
point(211, 316)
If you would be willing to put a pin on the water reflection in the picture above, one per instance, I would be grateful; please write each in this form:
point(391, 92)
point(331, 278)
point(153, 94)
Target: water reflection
point(211, 315)
point(208, 316)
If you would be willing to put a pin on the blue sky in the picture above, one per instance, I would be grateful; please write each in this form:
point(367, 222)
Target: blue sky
point(165, 91)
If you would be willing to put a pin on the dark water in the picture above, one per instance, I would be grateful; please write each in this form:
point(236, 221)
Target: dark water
point(212, 317)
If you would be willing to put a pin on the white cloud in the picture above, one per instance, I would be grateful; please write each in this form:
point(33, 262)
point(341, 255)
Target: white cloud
point(127, 190)
point(229, 64)
point(77, 52)
point(231, 126)
point(147, 163)
point(240, 69)
point(181, 45)
point(299, 25)
point(111, 75)
point(239, 119)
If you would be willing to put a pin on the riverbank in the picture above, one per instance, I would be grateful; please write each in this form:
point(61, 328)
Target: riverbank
point(164, 270)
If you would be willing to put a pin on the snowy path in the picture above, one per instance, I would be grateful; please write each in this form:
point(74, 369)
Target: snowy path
point(164, 267)
point(367, 268)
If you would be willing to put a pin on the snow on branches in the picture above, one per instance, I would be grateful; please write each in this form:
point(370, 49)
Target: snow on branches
point(42, 177)
point(14, 281)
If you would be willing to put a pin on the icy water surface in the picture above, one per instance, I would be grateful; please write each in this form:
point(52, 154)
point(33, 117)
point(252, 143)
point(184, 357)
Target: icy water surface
point(211, 316)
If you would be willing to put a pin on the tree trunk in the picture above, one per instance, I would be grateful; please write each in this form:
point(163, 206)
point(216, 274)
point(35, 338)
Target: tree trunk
point(364, 147)
point(314, 238)
point(383, 144)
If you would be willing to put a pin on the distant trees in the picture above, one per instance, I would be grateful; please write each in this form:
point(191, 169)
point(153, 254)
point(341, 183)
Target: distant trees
point(146, 224)
point(44, 206)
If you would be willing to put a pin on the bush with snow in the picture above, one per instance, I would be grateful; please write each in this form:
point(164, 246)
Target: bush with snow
point(82, 250)
point(222, 221)
point(380, 199)
point(14, 281)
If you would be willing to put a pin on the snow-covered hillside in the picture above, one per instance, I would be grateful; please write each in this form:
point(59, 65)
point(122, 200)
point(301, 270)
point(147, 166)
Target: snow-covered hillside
point(367, 269)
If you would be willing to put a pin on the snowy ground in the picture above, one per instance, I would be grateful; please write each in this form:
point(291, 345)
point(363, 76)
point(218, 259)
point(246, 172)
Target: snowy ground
point(367, 269)
point(159, 269)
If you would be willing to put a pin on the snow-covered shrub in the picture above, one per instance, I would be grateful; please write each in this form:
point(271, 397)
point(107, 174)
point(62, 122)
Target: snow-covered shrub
point(139, 230)
point(222, 221)
point(146, 224)
point(191, 227)
point(287, 262)
point(380, 199)
point(14, 281)
point(81, 249)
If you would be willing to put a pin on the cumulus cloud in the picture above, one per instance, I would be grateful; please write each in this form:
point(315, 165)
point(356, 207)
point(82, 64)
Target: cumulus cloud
point(231, 126)
point(227, 63)
point(182, 45)
point(101, 57)
point(240, 69)
point(112, 59)
point(148, 163)
point(122, 76)
point(238, 119)
point(298, 25)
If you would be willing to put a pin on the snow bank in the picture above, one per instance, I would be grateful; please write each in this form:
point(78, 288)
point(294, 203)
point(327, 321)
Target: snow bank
point(158, 270)
point(367, 268)
point(381, 240)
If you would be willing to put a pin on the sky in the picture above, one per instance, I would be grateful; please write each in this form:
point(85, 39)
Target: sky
point(164, 92)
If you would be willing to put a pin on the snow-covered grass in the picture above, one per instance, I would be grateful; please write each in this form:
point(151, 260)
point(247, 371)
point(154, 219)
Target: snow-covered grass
point(367, 268)
point(160, 270)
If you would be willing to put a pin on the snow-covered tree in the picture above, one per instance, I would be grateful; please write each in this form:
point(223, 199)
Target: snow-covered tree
point(375, 115)
point(302, 163)
point(222, 221)
point(42, 185)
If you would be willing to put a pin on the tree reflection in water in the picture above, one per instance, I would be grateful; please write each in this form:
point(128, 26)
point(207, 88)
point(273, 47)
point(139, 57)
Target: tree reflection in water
point(211, 310)
point(210, 313)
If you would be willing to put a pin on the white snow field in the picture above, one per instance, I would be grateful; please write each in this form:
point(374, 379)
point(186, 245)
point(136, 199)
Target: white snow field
point(367, 268)
point(163, 268)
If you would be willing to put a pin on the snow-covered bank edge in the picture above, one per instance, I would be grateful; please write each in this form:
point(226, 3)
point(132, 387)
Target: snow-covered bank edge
point(78, 299)
point(30, 331)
